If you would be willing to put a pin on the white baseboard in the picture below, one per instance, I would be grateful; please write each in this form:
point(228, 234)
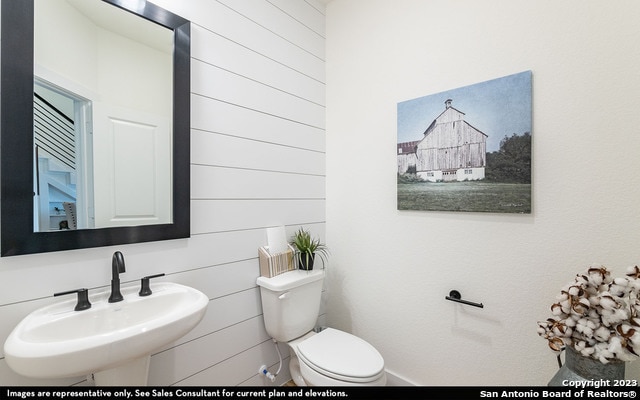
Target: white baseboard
point(395, 380)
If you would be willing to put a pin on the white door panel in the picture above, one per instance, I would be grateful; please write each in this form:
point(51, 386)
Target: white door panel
point(132, 156)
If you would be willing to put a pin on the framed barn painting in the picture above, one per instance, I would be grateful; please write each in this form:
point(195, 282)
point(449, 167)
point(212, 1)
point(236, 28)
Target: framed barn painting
point(467, 149)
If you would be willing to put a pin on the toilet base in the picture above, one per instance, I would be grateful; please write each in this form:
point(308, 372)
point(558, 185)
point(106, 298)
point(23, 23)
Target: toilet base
point(294, 369)
point(316, 379)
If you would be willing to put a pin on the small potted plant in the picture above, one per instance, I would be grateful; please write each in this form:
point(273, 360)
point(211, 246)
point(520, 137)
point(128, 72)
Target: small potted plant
point(307, 248)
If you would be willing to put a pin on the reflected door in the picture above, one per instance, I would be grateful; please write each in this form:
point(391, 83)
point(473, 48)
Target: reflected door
point(132, 159)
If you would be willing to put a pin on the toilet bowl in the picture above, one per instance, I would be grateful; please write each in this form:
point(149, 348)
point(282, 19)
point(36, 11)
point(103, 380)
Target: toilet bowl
point(335, 358)
point(291, 304)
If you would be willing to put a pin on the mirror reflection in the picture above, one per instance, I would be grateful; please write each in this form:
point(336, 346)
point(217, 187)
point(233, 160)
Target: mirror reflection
point(102, 117)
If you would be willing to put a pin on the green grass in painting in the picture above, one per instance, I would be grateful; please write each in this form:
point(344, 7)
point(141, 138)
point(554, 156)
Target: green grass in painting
point(465, 196)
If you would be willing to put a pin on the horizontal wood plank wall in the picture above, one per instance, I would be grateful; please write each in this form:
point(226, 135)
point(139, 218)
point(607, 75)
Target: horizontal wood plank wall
point(257, 161)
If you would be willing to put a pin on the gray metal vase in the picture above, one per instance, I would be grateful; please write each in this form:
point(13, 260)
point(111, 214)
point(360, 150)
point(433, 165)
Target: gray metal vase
point(580, 368)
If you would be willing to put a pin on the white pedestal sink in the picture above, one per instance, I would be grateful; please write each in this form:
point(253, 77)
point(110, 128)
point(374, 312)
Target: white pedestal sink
point(112, 341)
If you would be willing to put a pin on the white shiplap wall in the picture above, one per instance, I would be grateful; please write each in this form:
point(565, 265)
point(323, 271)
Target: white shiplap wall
point(257, 160)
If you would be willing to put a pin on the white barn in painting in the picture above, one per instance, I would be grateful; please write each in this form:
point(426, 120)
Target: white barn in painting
point(451, 150)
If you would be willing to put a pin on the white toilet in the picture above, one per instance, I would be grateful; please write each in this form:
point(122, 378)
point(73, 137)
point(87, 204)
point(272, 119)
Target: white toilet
point(291, 303)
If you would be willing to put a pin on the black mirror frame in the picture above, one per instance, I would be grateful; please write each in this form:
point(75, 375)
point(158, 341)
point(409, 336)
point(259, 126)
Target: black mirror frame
point(16, 140)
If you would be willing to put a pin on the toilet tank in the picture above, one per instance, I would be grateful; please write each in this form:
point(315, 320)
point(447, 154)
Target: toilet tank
point(291, 303)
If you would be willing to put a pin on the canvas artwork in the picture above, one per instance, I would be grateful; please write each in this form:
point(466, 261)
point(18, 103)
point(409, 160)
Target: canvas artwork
point(467, 149)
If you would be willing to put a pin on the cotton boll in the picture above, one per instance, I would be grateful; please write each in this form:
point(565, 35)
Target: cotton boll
point(581, 325)
point(597, 275)
point(607, 301)
point(582, 280)
point(614, 317)
point(580, 308)
point(602, 334)
point(625, 330)
point(541, 331)
point(595, 278)
point(556, 344)
point(556, 309)
point(602, 352)
point(585, 303)
point(619, 289)
point(622, 349)
point(620, 282)
point(594, 313)
point(636, 351)
point(589, 328)
point(633, 272)
point(607, 276)
point(585, 327)
point(603, 358)
point(575, 291)
point(591, 291)
point(608, 318)
point(546, 324)
point(602, 288)
point(565, 307)
point(606, 354)
point(621, 314)
point(634, 285)
point(543, 324)
point(587, 351)
point(561, 330)
point(615, 345)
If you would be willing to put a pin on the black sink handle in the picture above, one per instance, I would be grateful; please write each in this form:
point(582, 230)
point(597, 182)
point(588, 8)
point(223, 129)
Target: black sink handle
point(83, 298)
point(145, 290)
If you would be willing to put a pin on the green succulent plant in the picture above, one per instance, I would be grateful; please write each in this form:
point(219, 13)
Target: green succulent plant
point(307, 247)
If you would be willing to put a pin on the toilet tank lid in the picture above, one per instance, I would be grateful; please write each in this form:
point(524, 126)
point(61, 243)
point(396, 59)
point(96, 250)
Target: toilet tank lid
point(290, 280)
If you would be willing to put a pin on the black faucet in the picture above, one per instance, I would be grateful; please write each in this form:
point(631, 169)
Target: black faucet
point(117, 267)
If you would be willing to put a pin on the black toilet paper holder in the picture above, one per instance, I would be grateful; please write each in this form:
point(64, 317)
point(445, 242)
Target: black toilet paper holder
point(454, 295)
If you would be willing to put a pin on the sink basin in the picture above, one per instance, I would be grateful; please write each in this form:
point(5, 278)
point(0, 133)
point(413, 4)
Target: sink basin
point(113, 341)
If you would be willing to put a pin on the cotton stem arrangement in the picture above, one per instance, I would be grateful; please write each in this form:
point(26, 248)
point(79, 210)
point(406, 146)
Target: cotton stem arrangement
point(598, 316)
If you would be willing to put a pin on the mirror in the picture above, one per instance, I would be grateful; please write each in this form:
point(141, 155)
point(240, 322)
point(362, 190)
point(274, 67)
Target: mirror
point(102, 117)
point(34, 206)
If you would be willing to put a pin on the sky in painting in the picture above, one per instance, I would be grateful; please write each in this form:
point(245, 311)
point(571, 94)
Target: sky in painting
point(498, 108)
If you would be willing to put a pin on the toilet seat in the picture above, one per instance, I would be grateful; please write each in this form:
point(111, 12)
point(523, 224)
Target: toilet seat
point(342, 356)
